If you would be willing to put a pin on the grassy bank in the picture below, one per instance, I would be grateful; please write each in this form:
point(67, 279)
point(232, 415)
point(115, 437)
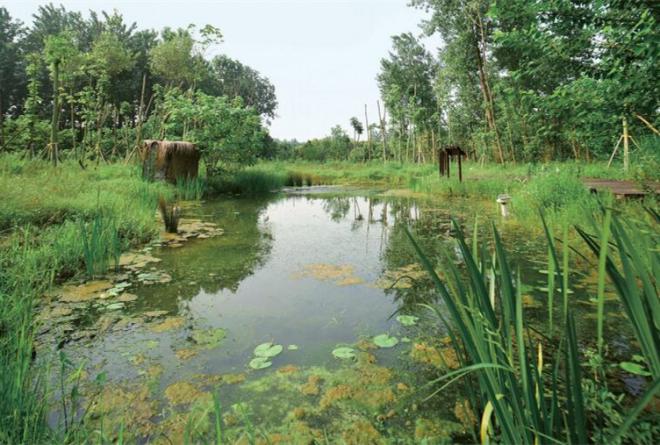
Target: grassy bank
point(554, 187)
point(56, 224)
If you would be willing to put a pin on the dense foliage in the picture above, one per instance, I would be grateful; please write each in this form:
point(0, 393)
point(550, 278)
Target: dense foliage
point(93, 88)
point(517, 80)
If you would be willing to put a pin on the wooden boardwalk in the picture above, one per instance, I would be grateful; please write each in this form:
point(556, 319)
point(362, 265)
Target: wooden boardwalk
point(621, 189)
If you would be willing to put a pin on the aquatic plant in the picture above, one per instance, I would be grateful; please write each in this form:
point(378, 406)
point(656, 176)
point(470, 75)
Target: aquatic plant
point(523, 398)
point(344, 352)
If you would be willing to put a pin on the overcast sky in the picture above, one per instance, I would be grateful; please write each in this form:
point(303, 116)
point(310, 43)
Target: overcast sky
point(322, 55)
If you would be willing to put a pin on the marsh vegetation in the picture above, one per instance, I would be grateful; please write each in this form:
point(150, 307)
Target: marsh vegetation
point(336, 290)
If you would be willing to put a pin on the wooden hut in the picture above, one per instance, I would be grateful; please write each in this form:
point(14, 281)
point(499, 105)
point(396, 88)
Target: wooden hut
point(444, 160)
point(169, 160)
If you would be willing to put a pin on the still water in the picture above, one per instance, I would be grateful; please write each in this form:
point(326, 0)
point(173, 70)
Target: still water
point(309, 269)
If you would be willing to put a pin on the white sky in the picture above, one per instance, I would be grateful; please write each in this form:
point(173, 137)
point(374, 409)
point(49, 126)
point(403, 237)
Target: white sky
point(322, 55)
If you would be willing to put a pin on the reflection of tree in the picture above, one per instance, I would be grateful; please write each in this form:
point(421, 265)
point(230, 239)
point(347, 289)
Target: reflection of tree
point(217, 263)
point(337, 207)
point(431, 231)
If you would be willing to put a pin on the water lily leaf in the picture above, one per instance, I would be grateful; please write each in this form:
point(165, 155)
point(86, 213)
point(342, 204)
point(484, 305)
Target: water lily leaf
point(344, 352)
point(385, 341)
point(407, 320)
point(260, 363)
point(267, 350)
point(293, 347)
point(634, 368)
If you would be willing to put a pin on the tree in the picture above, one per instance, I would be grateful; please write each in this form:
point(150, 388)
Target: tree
point(58, 49)
point(406, 86)
point(358, 129)
point(11, 79)
point(231, 78)
point(228, 134)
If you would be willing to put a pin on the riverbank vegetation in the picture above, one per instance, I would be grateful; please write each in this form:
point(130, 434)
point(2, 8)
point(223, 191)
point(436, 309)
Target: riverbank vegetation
point(540, 95)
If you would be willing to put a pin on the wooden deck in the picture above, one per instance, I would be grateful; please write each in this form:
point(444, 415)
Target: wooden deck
point(620, 189)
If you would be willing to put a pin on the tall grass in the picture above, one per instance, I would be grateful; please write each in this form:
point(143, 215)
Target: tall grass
point(190, 189)
point(56, 223)
point(101, 243)
point(528, 386)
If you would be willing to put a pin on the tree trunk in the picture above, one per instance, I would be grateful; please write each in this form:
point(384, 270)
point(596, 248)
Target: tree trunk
point(2, 124)
point(480, 49)
point(382, 131)
point(366, 119)
point(56, 113)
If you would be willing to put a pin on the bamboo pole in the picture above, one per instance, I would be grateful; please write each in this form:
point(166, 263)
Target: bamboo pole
point(616, 147)
point(648, 124)
point(626, 151)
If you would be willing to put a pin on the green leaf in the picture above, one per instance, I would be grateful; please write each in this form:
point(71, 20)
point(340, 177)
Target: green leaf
point(293, 347)
point(385, 341)
point(344, 352)
point(260, 363)
point(634, 368)
point(407, 320)
point(267, 350)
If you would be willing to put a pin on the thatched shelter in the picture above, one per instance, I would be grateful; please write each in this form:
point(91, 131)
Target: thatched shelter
point(169, 160)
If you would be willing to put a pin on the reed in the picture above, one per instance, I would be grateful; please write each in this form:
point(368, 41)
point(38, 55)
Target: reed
point(529, 387)
point(190, 189)
point(101, 243)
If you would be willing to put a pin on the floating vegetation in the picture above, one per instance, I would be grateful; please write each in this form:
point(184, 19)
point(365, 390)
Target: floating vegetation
point(407, 320)
point(267, 350)
point(293, 347)
point(186, 354)
point(135, 260)
point(385, 341)
point(184, 393)
point(402, 278)
point(341, 275)
point(85, 292)
point(208, 338)
point(168, 324)
point(344, 352)
point(260, 363)
point(154, 277)
point(444, 357)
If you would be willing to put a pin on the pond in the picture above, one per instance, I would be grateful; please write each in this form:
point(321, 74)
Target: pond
point(304, 273)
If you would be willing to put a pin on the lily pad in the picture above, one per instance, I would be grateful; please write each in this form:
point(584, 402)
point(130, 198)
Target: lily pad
point(385, 341)
point(267, 350)
point(260, 363)
point(209, 338)
point(293, 347)
point(407, 320)
point(344, 352)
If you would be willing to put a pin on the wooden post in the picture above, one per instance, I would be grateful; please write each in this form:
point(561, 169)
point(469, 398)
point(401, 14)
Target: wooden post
point(460, 170)
point(626, 153)
point(441, 167)
point(448, 160)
